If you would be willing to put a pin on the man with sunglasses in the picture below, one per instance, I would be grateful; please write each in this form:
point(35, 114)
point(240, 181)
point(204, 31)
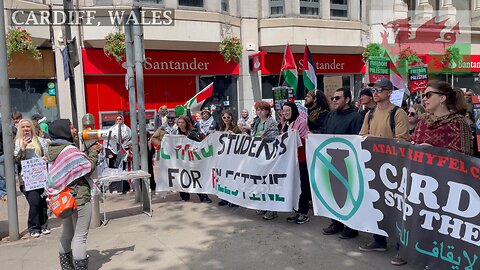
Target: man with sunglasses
point(378, 123)
point(343, 120)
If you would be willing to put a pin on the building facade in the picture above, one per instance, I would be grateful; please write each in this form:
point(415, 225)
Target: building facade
point(183, 58)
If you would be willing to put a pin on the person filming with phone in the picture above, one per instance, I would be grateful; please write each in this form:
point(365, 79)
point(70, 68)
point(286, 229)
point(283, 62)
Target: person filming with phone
point(28, 146)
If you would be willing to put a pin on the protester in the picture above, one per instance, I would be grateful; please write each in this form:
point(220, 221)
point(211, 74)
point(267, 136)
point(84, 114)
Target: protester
point(266, 128)
point(3, 187)
point(41, 122)
point(185, 128)
point(16, 117)
point(414, 113)
point(293, 121)
point(150, 155)
point(386, 121)
point(346, 121)
point(170, 126)
point(228, 125)
point(206, 124)
point(160, 118)
point(366, 101)
point(28, 146)
point(245, 122)
point(62, 153)
point(115, 151)
point(318, 109)
point(445, 124)
point(280, 120)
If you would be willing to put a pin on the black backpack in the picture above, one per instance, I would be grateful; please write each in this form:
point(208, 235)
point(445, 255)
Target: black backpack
point(392, 118)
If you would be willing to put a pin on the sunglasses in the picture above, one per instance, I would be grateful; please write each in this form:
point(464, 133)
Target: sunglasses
point(378, 90)
point(226, 117)
point(412, 114)
point(335, 98)
point(119, 119)
point(428, 95)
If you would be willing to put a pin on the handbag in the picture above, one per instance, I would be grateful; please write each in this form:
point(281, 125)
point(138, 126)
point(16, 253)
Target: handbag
point(62, 204)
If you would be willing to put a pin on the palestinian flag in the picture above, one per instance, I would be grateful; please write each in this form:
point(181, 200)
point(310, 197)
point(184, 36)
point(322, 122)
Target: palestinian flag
point(289, 69)
point(195, 103)
point(309, 76)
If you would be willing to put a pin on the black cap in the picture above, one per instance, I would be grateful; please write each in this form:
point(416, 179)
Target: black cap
point(366, 92)
point(383, 82)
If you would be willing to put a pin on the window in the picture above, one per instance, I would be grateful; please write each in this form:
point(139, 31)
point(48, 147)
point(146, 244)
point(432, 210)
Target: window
point(309, 7)
point(277, 7)
point(104, 2)
point(339, 8)
point(225, 5)
point(150, 1)
point(190, 3)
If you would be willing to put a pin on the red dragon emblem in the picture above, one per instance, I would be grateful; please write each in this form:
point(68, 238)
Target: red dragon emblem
point(428, 37)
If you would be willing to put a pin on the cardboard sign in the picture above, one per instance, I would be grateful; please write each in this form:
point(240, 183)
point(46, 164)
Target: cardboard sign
point(34, 173)
point(331, 84)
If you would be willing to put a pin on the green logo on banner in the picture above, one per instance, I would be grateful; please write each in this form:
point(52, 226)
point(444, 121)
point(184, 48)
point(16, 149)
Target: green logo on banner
point(336, 177)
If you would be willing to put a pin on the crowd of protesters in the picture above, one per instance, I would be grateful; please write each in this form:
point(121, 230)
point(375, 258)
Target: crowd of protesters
point(443, 119)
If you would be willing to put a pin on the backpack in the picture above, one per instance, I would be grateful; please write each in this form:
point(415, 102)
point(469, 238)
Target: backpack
point(392, 118)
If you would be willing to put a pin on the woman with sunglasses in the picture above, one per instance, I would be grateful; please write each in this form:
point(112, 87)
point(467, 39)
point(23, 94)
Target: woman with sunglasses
point(228, 125)
point(414, 113)
point(29, 146)
point(444, 125)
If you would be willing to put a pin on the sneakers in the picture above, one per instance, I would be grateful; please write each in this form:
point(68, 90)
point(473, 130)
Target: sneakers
point(222, 203)
point(270, 215)
point(301, 219)
point(293, 218)
point(348, 233)
point(260, 212)
point(46, 231)
point(373, 246)
point(398, 260)
point(35, 234)
point(332, 229)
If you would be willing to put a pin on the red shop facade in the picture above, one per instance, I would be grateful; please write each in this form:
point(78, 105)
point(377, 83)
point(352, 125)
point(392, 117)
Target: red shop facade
point(335, 70)
point(170, 78)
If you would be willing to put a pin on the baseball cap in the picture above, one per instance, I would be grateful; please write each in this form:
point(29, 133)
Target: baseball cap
point(366, 92)
point(171, 114)
point(382, 82)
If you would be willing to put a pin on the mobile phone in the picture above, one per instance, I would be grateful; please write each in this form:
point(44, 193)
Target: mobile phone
point(28, 135)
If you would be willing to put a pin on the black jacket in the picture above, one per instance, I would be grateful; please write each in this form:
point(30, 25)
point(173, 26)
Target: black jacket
point(344, 122)
point(317, 120)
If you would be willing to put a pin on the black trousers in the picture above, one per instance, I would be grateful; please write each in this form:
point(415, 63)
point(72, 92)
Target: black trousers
point(186, 196)
point(305, 195)
point(37, 212)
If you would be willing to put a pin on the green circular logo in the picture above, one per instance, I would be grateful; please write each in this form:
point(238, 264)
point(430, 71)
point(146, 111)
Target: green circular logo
point(51, 85)
point(336, 177)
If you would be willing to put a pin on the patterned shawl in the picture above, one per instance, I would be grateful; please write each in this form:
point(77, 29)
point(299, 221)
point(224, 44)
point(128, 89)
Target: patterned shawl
point(69, 165)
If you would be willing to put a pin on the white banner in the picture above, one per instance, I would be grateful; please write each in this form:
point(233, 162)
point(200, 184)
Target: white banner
point(243, 170)
point(34, 173)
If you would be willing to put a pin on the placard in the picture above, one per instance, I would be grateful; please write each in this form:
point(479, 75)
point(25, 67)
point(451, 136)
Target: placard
point(281, 95)
point(331, 84)
point(418, 79)
point(397, 97)
point(34, 173)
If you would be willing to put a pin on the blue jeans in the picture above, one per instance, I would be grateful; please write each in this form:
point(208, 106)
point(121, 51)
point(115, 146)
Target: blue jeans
point(3, 185)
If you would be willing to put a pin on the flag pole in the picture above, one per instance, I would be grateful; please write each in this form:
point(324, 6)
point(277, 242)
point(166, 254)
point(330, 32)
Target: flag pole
point(283, 63)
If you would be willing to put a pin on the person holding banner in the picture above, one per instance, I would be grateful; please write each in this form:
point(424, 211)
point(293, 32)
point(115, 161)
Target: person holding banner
point(206, 124)
point(245, 122)
point(445, 125)
point(266, 128)
point(318, 109)
point(386, 121)
point(228, 125)
point(29, 146)
point(293, 121)
point(346, 121)
point(185, 128)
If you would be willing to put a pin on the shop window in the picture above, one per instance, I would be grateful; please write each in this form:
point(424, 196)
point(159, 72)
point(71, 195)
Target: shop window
point(277, 7)
point(309, 7)
point(225, 5)
point(339, 8)
point(224, 94)
point(34, 97)
point(190, 3)
point(103, 2)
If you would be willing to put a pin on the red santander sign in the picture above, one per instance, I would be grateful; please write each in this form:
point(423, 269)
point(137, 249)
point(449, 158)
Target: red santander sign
point(324, 63)
point(162, 63)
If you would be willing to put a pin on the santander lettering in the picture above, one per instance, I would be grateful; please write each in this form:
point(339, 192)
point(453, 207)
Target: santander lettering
point(333, 65)
point(175, 65)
